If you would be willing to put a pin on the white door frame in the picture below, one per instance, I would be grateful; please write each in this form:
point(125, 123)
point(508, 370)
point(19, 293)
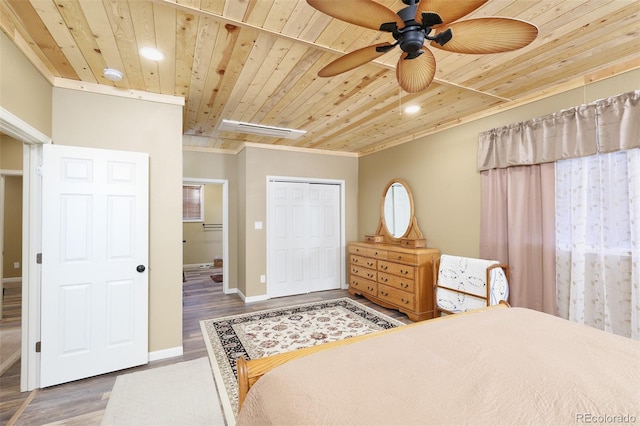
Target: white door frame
point(32, 140)
point(341, 183)
point(225, 225)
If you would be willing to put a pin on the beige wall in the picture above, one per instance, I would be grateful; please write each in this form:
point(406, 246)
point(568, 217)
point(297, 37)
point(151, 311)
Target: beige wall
point(23, 91)
point(11, 159)
point(206, 165)
point(247, 174)
point(441, 170)
point(11, 153)
point(260, 163)
point(12, 245)
point(203, 245)
point(110, 122)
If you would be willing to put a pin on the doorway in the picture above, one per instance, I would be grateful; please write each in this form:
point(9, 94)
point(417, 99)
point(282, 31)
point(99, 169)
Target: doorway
point(32, 140)
point(206, 234)
point(11, 249)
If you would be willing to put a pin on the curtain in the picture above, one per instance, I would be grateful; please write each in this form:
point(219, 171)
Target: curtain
point(518, 228)
point(518, 219)
point(598, 241)
point(606, 125)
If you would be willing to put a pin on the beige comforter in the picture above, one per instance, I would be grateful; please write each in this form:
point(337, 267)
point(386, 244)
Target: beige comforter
point(502, 366)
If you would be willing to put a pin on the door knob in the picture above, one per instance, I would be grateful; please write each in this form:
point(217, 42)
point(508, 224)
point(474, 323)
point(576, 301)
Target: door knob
point(140, 268)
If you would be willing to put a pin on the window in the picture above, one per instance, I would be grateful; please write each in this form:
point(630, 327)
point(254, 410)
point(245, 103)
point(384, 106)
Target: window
point(193, 203)
point(597, 240)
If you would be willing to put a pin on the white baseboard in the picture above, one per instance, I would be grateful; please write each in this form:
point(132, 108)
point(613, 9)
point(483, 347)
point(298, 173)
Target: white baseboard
point(165, 353)
point(253, 299)
point(12, 280)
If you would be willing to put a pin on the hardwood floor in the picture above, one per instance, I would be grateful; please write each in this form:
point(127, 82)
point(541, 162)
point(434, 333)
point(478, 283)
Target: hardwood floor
point(83, 402)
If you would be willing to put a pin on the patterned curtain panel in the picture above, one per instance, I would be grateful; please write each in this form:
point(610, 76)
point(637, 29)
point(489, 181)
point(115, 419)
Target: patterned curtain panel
point(598, 241)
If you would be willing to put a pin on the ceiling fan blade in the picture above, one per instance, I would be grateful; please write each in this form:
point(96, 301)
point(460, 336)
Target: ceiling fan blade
point(354, 59)
point(415, 75)
point(489, 35)
point(448, 10)
point(366, 13)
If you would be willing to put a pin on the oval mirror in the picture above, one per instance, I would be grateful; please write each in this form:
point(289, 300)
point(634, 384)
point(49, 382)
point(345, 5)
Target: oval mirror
point(397, 209)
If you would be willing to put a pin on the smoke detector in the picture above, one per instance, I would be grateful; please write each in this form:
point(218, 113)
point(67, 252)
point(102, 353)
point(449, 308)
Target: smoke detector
point(112, 74)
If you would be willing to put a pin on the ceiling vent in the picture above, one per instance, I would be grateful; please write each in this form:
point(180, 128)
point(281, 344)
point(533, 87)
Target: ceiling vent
point(259, 129)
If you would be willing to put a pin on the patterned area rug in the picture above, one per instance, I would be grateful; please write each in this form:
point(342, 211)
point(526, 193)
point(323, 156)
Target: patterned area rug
point(259, 334)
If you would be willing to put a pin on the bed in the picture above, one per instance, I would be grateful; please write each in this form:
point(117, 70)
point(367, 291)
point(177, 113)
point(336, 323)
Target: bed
point(496, 365)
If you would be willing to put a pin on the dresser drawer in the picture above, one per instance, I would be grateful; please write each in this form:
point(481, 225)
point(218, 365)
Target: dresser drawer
point(398, 269)
point(363, 261)
point(409, 258)
point(362, 285)
point(370, 274)
point(406, 284)
point(368, 252)
point(400, 298)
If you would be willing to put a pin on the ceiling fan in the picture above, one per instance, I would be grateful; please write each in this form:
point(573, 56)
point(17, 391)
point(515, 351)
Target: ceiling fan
point(413, 26)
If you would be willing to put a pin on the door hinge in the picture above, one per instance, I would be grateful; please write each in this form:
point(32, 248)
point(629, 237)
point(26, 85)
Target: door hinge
point(38, 347)
point(39, 170)
point(39, 258)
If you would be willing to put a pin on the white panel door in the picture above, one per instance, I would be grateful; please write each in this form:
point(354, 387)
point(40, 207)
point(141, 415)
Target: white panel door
point(94, 262)
point(304, 238)
point(323, 225)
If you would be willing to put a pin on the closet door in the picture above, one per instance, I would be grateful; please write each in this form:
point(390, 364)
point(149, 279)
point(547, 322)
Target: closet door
point(304, 238)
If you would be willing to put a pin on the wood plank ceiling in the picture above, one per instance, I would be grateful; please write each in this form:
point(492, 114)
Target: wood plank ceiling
point(257, 61)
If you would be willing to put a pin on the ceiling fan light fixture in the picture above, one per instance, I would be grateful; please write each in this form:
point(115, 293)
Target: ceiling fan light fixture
point(412, 109)
point(112, 74)
point(151, 53)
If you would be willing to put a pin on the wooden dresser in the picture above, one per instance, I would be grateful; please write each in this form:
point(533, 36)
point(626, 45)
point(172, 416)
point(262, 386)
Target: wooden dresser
point(393, 276)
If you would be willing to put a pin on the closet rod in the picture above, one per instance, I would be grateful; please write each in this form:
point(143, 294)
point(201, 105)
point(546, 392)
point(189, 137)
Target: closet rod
point(206, 226)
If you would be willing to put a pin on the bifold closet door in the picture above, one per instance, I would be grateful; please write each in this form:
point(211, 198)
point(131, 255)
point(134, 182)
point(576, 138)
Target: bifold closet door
point(303, 238)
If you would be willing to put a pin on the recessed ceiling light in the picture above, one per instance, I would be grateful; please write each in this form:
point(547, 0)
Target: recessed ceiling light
point(412, 109)
point(112, 74)
point(151, 53)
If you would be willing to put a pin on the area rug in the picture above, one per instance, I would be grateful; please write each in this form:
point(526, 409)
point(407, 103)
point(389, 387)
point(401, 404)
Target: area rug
point(177, 394)
point(259, 334)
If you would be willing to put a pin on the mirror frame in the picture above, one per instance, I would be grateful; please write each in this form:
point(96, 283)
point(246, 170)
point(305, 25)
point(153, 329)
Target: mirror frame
point(412, 232)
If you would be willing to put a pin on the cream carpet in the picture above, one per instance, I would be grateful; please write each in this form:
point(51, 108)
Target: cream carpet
point(179, 394)
point(9, 347)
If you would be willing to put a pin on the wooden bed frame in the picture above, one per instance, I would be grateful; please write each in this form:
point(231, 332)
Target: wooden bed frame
point(249, 371)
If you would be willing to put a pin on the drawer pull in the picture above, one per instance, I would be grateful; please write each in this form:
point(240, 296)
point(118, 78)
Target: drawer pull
point(376, 253)
point(370, 263)
point(384, 293)
point(385, 279)
point(403, 285)
point(370, 288)
point(354, 261)
point(399, 257)
point(385, 267)
point(370, 275)
point(404, 272)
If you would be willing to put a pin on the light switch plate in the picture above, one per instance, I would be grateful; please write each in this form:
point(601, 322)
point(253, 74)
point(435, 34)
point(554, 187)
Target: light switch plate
point(258, 225)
